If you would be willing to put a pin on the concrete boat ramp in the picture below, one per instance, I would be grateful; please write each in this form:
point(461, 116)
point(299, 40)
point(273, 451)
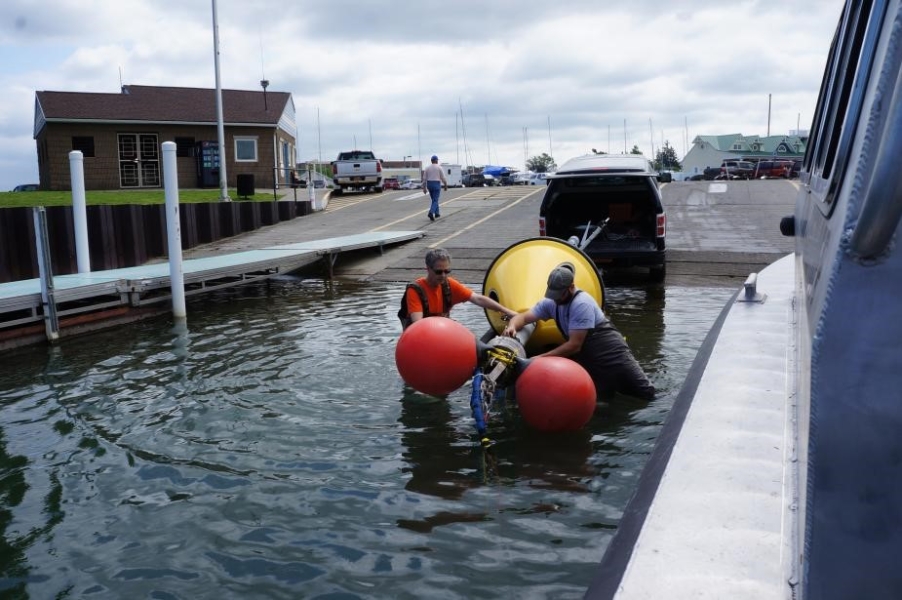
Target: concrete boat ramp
point(87, 300)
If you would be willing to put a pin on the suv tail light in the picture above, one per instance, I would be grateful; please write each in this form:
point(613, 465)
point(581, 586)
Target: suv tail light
point(542, 231)
point(661, 223)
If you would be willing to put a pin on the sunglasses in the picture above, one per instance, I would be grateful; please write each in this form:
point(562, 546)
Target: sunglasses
point(441, 272)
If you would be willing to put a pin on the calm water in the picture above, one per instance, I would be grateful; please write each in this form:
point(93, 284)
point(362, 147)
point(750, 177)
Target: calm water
point(271, 451)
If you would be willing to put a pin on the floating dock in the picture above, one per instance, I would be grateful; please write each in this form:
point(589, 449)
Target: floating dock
point(102, 298)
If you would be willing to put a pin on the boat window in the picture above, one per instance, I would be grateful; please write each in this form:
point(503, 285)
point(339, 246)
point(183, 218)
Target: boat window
point(841, 98)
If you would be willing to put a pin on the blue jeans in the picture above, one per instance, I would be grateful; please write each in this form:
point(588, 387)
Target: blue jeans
point(435, 188)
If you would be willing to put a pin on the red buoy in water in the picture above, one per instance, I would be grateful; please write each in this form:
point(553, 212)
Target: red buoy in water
point(436, 355)
point(555, 394)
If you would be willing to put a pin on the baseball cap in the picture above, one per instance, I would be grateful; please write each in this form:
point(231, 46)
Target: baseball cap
point(434, 158)
point(559, 281)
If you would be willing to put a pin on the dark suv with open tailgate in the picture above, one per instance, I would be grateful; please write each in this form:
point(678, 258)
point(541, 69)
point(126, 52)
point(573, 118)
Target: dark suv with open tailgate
point(610, 206)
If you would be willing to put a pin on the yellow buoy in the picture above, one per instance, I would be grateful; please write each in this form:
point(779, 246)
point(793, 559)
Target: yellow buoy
point(518, 276)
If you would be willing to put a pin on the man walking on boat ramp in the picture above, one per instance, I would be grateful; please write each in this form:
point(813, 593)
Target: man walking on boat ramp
point(434, 182)
point(591, 339)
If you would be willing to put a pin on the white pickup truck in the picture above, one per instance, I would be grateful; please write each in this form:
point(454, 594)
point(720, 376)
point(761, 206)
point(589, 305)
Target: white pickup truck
point(357, 170)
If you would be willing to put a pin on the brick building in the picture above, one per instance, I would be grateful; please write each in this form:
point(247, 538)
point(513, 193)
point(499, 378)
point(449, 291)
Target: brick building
point(120, 136)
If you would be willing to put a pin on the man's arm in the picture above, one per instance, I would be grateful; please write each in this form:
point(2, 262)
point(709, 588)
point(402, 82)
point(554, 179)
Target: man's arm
point(414, 305)
point(518, 322)
point(486, 302)
point(571, 346)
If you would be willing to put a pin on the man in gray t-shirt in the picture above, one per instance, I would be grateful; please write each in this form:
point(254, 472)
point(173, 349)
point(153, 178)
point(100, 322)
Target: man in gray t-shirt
point(590, 338)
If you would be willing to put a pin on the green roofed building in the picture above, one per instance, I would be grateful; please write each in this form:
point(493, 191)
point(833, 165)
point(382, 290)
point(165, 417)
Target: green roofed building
point(711, 150)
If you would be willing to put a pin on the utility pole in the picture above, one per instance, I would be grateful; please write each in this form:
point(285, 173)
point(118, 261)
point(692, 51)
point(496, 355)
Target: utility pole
point(220, 126)
point(768, 115)
point(651, 136)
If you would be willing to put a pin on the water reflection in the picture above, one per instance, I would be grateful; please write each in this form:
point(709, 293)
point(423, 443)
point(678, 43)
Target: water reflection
point(13, 566)
point(264, 448)
point(439, 459)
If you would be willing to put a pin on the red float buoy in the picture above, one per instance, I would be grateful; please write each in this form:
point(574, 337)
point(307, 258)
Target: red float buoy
point(555, 394)
point(436, 355)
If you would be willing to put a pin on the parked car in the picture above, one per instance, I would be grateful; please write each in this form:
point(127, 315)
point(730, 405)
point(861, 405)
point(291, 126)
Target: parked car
point(391, 183)
point(411, 184)
point(617, 200)
point(794, 170)
point(27, 187)
point(711, 173)
point(696, 177)
point(474, 180)
point(773, 169)
point(736, 169)
point(537, 179)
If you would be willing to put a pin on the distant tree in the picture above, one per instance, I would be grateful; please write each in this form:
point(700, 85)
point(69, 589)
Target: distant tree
point(594, 151)
point(541, 164)
point(666, 159)
point(635, 150)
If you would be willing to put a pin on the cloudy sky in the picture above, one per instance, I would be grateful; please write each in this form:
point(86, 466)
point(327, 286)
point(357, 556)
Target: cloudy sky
point(474, 82)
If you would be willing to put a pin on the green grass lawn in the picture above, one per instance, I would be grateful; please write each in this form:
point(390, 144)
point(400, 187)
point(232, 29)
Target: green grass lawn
point(16, 199)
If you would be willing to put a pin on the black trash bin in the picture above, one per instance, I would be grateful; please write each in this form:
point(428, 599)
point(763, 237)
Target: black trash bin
point(246, 185)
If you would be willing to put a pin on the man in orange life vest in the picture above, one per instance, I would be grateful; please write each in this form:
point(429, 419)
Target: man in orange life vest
point(435, 294)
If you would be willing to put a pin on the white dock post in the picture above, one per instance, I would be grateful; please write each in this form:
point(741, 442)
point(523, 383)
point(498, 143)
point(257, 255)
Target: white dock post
point(174, 231)
point(48, 294)
point(79, 210)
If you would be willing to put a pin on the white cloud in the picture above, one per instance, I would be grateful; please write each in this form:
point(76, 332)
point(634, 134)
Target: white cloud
point(400, 72)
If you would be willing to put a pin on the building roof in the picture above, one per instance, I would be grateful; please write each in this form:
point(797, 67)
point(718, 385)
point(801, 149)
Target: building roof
point(723, 143)
point(161, 105)
point(754, 144)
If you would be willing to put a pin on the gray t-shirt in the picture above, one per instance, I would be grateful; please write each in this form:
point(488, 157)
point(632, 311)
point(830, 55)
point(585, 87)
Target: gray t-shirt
point(434, 173)
point(582, 312)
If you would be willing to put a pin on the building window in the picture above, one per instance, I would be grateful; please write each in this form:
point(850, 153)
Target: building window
point(85, 144)
point(184, 147)
point(245, 149)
